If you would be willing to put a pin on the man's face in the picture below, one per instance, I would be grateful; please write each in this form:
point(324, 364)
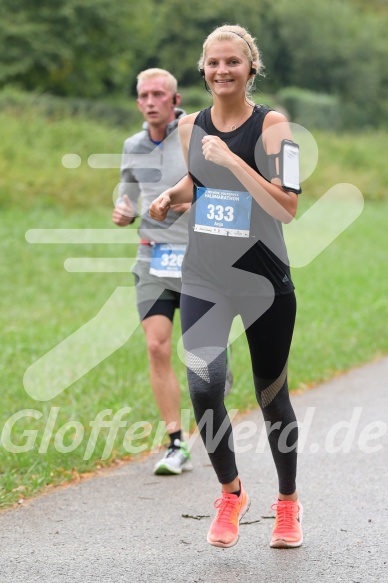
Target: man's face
point(155, 101)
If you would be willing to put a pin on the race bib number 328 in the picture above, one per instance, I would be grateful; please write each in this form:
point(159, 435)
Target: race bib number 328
point(223, 212)
point(166, 260)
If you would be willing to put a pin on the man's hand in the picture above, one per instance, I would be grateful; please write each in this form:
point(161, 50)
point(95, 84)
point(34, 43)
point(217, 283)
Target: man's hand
point(123, 214)
point(160, 207)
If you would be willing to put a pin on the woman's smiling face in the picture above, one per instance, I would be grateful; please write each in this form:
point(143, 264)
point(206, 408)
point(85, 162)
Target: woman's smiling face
point(226, 68)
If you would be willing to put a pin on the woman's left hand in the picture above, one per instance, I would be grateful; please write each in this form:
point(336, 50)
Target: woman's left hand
point(215, 150)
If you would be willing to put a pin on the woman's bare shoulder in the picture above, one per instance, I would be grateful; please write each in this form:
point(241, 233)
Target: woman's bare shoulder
point(274, 117)
point(188, 119)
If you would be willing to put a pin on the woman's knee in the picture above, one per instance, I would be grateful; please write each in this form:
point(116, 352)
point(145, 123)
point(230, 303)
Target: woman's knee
point(206, 374)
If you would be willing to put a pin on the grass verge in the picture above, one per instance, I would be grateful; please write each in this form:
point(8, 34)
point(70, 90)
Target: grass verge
point(341, 323)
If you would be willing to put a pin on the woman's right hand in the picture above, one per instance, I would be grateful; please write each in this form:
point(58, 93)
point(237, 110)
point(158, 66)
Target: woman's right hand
point(160, 206)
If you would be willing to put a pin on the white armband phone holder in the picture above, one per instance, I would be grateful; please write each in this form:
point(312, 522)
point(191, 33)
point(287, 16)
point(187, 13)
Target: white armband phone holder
point(287, 168)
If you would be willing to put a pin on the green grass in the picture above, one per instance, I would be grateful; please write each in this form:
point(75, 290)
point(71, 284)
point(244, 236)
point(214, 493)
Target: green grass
point(31, 171)
point(32, 147)
point(343, 302)
point(342, 314)
point(342, 295)
point(354, 158)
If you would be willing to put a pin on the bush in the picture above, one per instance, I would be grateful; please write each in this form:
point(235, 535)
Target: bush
point(311, 110)
point(13, 99)
point(195, 98)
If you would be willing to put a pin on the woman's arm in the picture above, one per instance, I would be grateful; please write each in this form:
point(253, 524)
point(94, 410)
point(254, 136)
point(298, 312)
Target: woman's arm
point(182, 192)
point(277, 202)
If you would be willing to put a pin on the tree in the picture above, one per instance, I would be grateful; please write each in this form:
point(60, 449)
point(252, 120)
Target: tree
point(93, 48)
point(69, 47)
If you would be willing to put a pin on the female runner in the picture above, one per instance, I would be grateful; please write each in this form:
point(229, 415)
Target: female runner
point(236, 264)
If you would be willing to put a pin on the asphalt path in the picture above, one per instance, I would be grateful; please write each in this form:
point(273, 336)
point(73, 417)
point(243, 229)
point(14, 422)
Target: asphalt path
point(129, 525)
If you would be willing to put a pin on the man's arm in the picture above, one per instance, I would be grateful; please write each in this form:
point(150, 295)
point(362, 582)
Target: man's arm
point(129, 191)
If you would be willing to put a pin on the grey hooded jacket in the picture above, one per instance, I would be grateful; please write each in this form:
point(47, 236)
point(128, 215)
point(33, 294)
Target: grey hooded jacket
point(146, 171)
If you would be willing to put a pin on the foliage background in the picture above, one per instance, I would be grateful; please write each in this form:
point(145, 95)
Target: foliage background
point(95, 48)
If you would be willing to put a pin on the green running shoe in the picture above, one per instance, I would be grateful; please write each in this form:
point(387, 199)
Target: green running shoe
point(176, 460)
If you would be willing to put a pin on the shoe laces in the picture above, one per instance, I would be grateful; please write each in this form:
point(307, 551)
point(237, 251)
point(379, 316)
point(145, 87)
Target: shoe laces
point(225, 505)
point(286, 514)
point(172, 448)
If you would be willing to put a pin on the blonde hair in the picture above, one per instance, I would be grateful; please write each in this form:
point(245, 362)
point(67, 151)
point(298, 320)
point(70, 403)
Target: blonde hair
point(171, 82)
point(245, 41)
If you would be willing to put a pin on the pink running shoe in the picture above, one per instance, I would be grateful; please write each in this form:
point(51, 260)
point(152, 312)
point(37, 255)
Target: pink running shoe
point(287, 532)
point(224, 529)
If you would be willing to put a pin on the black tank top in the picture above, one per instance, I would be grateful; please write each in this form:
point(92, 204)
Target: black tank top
point(227, 263)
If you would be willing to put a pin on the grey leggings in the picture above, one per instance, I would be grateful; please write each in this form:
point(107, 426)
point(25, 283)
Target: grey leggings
point(206, 317)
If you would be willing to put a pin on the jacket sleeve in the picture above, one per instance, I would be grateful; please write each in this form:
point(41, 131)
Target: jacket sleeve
point(128, 183)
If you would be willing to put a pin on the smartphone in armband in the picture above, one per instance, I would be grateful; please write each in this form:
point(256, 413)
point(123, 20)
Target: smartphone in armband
point(289, 166)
